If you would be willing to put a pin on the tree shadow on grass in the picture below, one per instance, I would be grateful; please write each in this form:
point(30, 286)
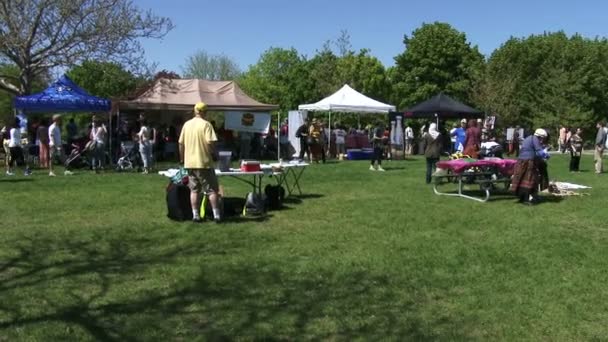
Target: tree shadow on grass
point(252, 299)
point(547, 199)
point(16, 180)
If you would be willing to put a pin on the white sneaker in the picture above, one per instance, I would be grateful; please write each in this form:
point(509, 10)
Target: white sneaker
point(381, 169)
point(372, 168)
point(8, 173)
point(68, 173)
point(51, 174)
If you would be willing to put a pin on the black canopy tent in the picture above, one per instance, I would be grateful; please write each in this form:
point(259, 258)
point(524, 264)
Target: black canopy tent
point(440, 106)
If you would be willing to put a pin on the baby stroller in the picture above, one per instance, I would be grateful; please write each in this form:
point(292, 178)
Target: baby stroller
point(129, 157)
point(491, 151)
point(76, 159)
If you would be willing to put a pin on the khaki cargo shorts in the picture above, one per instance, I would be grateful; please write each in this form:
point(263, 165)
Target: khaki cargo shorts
point(202, 180)
point(56, 153)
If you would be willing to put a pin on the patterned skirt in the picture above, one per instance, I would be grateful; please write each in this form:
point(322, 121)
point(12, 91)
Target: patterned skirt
point(526, 177)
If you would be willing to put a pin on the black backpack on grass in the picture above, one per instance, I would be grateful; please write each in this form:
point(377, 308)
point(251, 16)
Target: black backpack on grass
point(229, 207)
point(275, 194)
point(178, 202)
point(255, 204)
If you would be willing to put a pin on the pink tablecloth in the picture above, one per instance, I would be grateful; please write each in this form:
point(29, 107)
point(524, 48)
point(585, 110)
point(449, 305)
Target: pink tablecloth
point(504, 166)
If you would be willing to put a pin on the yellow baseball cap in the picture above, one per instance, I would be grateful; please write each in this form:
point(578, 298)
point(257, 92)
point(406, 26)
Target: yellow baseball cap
point(200, 107)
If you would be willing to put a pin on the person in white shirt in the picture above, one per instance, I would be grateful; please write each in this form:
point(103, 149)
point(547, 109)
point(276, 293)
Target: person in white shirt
point(409, 140)
point(14, 145)
point(340, 135)
point(145, 146)
point(55, 146)
point(98, 137)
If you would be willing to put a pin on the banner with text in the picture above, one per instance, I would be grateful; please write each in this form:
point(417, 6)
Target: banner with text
point(247, 122)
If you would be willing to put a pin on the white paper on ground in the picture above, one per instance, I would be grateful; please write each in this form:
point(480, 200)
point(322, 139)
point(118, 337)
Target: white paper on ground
point(570, 186)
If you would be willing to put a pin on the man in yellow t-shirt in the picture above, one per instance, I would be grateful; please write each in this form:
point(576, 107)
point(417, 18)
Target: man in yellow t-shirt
point(196, 148)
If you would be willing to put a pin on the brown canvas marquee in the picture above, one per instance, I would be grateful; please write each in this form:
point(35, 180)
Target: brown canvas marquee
point(183, 94)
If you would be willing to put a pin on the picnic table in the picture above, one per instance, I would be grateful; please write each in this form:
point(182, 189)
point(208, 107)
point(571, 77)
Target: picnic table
point(485, 173)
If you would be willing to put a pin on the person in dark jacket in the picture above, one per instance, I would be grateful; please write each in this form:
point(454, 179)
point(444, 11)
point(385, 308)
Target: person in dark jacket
point(302, 134)
point(378, 140)
point(433, 146)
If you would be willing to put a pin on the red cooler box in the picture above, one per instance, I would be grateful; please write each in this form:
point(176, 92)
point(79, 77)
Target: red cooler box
point(250, 166)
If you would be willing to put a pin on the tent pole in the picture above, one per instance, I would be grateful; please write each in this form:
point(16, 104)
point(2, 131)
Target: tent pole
point(279, 135)
point(110, 133)
point(329, 137)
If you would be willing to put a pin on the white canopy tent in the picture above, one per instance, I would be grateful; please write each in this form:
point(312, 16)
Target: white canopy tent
point(348, 100)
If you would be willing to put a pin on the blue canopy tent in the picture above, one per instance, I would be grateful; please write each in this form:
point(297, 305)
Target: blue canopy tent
point(63, 96)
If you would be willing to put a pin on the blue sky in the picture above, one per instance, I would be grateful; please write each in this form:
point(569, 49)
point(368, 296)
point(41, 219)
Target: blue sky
point(244, 29)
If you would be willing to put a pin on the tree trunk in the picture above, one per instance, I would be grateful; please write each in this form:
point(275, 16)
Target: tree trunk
point(26, 78)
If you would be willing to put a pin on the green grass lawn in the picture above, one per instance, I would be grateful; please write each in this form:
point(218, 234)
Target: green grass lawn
point(364, 256)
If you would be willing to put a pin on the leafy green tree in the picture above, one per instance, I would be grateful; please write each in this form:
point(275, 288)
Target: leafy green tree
point(211, 67)
point(279, 77)
point(323, 73)
point(40, 35)
point(547, 80)
point(365, 73)
point(6, 98)
point(437, 58)
point(104, 79)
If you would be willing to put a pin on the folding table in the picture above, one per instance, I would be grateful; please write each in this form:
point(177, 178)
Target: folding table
point(289, 176)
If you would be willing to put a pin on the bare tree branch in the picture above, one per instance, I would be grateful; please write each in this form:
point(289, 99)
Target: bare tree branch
point(8, 87)
point(37, 35)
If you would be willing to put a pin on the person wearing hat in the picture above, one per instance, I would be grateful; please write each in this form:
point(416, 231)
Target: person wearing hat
point(531, 169)
point(196, 148)
point(459, 135)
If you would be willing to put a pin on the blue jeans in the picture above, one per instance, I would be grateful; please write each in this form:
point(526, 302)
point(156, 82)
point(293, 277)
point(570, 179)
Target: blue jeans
point(145, 150)
point(430, 168)
point(99, 156)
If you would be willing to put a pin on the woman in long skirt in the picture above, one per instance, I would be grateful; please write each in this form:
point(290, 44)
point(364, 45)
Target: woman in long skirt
point(531, 170)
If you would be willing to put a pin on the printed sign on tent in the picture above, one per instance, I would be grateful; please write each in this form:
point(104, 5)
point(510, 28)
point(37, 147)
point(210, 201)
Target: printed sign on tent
point(247, 122)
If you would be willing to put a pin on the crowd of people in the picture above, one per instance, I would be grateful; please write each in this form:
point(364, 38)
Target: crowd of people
point(570, 141)
point(46, 143)
point(467, 138)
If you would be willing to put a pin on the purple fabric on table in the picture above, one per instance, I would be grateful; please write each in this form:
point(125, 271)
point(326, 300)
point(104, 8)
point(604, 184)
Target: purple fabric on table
point(504, 166)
